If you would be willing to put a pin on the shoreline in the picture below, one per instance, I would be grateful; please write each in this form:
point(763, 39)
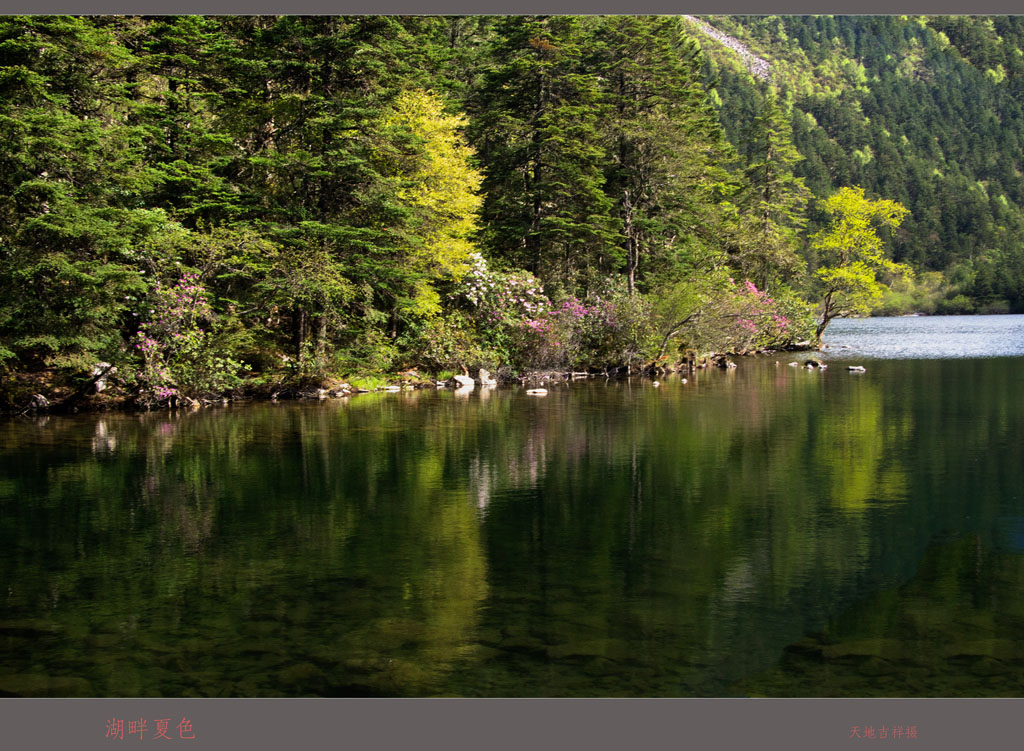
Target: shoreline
point(61, 400)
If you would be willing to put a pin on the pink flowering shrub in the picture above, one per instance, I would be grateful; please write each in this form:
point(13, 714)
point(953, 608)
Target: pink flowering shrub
point(499, 304)
point(780, 319)
point(514, 323)
point(179, 345)
point(739, 317)
point(618, 330)
point(758, 321)
point(580, 334)
point(517, 322)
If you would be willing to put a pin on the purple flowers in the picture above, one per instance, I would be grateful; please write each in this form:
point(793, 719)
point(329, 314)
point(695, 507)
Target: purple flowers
point(758, 317)
point(176, 347)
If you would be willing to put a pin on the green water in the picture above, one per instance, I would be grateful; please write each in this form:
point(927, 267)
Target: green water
point(765, 531)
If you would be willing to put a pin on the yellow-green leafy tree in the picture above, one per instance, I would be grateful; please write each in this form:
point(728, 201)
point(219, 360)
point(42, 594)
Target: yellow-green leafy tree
point(439, 188)
point(854, 269)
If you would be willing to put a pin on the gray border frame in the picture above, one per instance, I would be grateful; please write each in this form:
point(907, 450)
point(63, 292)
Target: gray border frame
point(513, 724)
point(499, 7)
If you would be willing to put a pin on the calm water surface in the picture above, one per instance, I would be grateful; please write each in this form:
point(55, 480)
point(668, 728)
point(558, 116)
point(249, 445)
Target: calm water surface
point(927, 337)
point(765, 531)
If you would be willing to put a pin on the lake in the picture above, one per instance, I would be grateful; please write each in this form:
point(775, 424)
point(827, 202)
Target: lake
point(764, 531)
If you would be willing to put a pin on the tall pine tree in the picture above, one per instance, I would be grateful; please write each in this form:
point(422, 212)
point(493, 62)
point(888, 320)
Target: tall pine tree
point(665, 148)
point(536, 128)
point(775, 201)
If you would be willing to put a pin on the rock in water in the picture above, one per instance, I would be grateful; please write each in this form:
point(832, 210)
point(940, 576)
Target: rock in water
point(536, 392)
point(485, 378)
point(856, 368)
point(462, 381)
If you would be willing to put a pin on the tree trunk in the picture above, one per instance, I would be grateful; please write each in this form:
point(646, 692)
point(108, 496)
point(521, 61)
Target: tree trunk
point(827, 314)
point(321, 338)
point(675, 330)
point(631, 247)
point(298, 330)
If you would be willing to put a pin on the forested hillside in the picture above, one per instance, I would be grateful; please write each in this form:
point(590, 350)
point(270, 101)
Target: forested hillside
point(206, 203)
point(927, 111)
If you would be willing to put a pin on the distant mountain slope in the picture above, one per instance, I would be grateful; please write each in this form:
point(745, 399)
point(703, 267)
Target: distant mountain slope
point(924, 110)
point(757, 66)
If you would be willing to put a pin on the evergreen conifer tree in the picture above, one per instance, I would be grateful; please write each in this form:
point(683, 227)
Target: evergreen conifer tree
point(536, 126)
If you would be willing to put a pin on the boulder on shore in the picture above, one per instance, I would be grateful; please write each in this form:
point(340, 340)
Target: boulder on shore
point(100, 371)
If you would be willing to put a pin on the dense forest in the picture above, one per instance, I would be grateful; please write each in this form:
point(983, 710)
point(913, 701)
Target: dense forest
point(927, 111)
point(190, 206)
